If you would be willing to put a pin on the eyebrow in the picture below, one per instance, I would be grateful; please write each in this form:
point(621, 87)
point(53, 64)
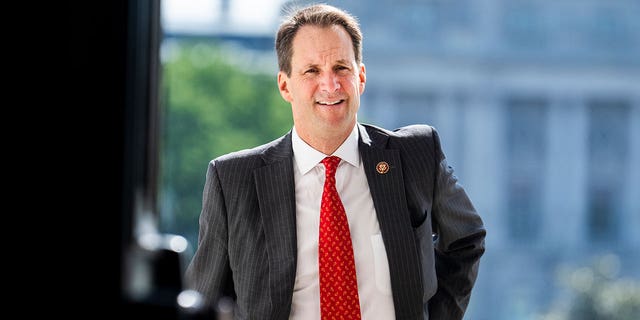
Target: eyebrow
point(315, 65)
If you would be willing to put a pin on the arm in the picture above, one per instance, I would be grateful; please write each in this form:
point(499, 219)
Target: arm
point(459, 243)
point(208, 271)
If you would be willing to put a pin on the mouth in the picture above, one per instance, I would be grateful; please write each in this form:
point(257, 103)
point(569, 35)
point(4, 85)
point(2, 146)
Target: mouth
point(330, 103)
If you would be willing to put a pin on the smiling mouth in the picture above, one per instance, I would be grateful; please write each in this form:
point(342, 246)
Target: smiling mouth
point(329, 103)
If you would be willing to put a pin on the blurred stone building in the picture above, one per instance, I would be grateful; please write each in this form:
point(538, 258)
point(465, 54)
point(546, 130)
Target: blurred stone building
point(538, 108)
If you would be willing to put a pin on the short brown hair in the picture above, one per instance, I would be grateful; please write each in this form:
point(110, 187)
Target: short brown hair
point(320, 15)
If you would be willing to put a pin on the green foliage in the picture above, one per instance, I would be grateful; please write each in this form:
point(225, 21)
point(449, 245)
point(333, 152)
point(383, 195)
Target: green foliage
point(211, 107)
point(597, 294)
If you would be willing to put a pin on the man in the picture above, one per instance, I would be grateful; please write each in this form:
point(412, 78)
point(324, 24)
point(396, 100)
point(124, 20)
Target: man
point(412, 245)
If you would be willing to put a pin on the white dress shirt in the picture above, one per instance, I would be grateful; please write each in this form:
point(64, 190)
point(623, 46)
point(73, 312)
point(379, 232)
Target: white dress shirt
point(372, 268)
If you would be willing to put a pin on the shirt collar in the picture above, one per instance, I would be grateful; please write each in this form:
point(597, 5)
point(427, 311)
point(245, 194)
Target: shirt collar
point(306, 157)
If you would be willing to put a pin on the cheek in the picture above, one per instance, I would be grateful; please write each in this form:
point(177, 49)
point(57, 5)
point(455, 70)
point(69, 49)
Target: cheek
point(306, 88)
point(351, 86)
point(350, 82)
point(302, 96)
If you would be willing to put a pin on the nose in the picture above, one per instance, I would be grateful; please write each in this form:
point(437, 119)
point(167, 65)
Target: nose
point(329, 82)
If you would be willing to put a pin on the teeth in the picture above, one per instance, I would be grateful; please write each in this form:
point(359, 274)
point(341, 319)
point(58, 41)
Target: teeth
point(329, 103)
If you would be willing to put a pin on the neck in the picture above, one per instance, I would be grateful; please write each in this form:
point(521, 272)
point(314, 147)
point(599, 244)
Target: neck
point(326, 143)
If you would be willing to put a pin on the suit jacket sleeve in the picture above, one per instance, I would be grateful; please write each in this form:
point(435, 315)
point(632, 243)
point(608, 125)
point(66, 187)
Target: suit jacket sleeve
point(209, 272)
point(459, 242)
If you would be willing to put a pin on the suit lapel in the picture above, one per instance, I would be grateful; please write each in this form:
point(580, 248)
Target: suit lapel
point(276, 196)
point(387, 191)
point(275, 189)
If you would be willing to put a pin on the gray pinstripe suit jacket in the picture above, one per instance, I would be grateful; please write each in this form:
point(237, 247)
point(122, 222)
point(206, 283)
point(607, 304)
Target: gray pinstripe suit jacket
point(433, 236)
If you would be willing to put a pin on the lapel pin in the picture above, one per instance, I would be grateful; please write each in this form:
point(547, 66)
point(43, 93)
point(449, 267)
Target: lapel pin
point(382, 167)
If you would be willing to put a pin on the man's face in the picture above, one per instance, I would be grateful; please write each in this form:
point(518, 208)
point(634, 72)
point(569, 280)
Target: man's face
point(325, 84)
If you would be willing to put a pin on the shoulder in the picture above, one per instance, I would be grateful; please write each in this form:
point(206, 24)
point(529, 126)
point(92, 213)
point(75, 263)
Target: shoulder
point(256, 156)
point(412, 139)
point(414, 131)
point(405, 131)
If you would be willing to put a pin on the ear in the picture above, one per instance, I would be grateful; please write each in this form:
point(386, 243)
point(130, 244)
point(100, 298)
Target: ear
point(283, 86)
point(362, 77)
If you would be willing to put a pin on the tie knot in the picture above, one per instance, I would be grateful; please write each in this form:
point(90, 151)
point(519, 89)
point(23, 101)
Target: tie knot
point(331, 164)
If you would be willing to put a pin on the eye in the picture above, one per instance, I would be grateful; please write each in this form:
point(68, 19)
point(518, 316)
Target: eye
point(312, 70)
point(341, 69)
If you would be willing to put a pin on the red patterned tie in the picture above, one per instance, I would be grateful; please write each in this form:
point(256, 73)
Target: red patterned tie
point(338, 284)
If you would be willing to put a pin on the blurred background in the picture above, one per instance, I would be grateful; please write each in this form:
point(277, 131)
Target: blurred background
point(537, 103)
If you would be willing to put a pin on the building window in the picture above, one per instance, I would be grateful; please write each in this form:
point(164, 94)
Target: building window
point(526, 151)
point(608, 153)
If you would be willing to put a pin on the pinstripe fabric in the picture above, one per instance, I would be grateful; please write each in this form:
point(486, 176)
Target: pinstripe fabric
point(248, 237)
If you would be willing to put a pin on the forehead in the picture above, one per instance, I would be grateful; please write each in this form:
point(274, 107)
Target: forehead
point(314, 45)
